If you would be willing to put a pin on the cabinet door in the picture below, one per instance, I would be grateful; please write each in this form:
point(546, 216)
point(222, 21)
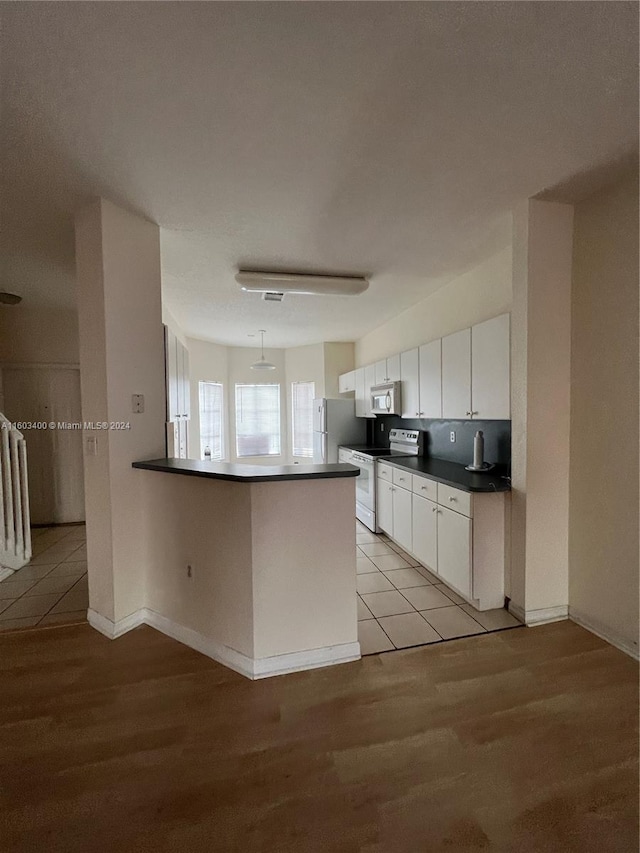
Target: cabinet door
point(369, 382)
point(360, 399)
point(456, 375)
point(425, 532)
point(346, 382)
point(393, 368)
point(430, 370)
point(490, 363)
point(454, 550)
point(171, 373)
point(384, 507)
point(381, 371)
point(410, 389)
point(402, 524)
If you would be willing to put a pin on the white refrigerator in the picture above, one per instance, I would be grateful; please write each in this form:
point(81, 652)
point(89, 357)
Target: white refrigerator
point(335, 423)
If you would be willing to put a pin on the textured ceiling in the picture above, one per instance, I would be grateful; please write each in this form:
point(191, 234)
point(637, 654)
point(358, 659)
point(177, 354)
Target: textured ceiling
point(390, 139)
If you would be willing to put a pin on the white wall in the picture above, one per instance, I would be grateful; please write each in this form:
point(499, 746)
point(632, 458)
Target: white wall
point(477, 295)
point(540, 390)
point(121, 353)
point(604, 505)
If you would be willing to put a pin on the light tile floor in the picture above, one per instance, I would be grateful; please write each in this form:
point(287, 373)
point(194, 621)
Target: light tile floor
point(402, 604)
point(52, 589)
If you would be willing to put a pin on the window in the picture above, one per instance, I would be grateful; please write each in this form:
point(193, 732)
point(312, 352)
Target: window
point(302, 397)
point(257, 420)
point(211, 419)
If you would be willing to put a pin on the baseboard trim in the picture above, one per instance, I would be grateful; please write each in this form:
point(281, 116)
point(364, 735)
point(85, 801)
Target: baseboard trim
point(231, 658)
point(539, 617)
point(605, 633)
point(113, 630)
point(5, 572)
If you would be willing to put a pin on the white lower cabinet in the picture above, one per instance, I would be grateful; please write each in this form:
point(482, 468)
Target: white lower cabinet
point(384, 506)
point(425, 532)
point(402, 526)
point(454, 550)
point(459, 536)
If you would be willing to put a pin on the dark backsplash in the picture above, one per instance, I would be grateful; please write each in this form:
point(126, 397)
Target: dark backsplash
point(497, 437)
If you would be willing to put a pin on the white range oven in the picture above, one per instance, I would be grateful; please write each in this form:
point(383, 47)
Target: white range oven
point(403, 442)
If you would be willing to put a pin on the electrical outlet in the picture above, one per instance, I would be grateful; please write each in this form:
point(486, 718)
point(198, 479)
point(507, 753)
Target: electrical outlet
point(137, 404)
point(381, 427)
point(189, 572)
point(452, 436)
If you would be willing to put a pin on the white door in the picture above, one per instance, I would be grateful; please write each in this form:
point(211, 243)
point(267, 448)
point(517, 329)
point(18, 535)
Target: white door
point(425, 532)
point(54, 456)
point(454, 550)
point(490, 368)
point(402, 524)
point(456, 375)
point(410, 389)
point(384, 506)
point(430, 364)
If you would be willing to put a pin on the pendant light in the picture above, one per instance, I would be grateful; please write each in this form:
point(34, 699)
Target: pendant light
point(262, 363)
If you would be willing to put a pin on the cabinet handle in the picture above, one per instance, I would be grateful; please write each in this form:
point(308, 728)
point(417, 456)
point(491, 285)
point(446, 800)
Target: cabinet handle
point(453, 499)
point(469, 414)
point(422, 413)
point(434, 509)
point(473, 413)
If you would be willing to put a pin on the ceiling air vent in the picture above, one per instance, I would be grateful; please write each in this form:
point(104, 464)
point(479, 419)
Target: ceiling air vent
point(272, 296)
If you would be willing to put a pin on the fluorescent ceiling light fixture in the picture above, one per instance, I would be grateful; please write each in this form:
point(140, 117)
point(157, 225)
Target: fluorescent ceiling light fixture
point(255, 281)
point(262, 363)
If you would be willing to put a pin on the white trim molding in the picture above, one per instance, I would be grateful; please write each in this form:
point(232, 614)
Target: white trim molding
point(237, 661)
point(112, 630)
point(539, 617)
point(629, 647)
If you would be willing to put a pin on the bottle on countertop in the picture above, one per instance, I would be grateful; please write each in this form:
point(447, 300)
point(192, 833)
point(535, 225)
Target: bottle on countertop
point(207, 454)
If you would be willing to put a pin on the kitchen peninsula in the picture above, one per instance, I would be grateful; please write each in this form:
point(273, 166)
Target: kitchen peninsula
point(252, 565)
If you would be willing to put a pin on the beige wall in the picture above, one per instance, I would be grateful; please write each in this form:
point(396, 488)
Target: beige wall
point(32, 335)
point(477, 295)
point(121, 353)
point(604, 509)
point(540, 390)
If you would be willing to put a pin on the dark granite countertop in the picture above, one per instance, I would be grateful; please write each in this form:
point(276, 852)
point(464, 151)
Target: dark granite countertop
point(452, 474)
point(240, 473)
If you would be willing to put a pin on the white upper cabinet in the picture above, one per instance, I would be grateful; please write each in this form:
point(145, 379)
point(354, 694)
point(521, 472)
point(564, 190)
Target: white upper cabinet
point(369, 382)
point(456, 375)
point(430, 371)
point(393, 368)
point(490, 380)
point(381, 371)
point(409, 373)
point(347, 382)
point(361, 411)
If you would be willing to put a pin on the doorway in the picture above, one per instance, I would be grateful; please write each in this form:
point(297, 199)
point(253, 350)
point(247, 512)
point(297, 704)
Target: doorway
point(42, 395)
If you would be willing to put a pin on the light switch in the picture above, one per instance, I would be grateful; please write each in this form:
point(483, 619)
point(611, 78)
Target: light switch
point(137, 404)
point(92, 445)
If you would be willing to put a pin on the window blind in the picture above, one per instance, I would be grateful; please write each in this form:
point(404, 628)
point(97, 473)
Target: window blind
point(302, 397)
point(210, 394)
point(257, 420)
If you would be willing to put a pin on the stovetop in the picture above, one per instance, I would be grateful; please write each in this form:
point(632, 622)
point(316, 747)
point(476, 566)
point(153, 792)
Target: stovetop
point(375, 452)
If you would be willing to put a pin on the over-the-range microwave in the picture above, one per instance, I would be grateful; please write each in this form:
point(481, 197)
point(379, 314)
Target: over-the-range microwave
point(386, 399)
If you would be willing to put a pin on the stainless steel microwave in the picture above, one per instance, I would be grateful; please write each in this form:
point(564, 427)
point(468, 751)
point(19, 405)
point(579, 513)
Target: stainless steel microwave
point(385, 399)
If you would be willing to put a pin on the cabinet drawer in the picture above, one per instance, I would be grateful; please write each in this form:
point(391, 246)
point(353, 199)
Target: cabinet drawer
point(385, 472)
point(455, 499)
point(402, 478)
point(424, 487)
